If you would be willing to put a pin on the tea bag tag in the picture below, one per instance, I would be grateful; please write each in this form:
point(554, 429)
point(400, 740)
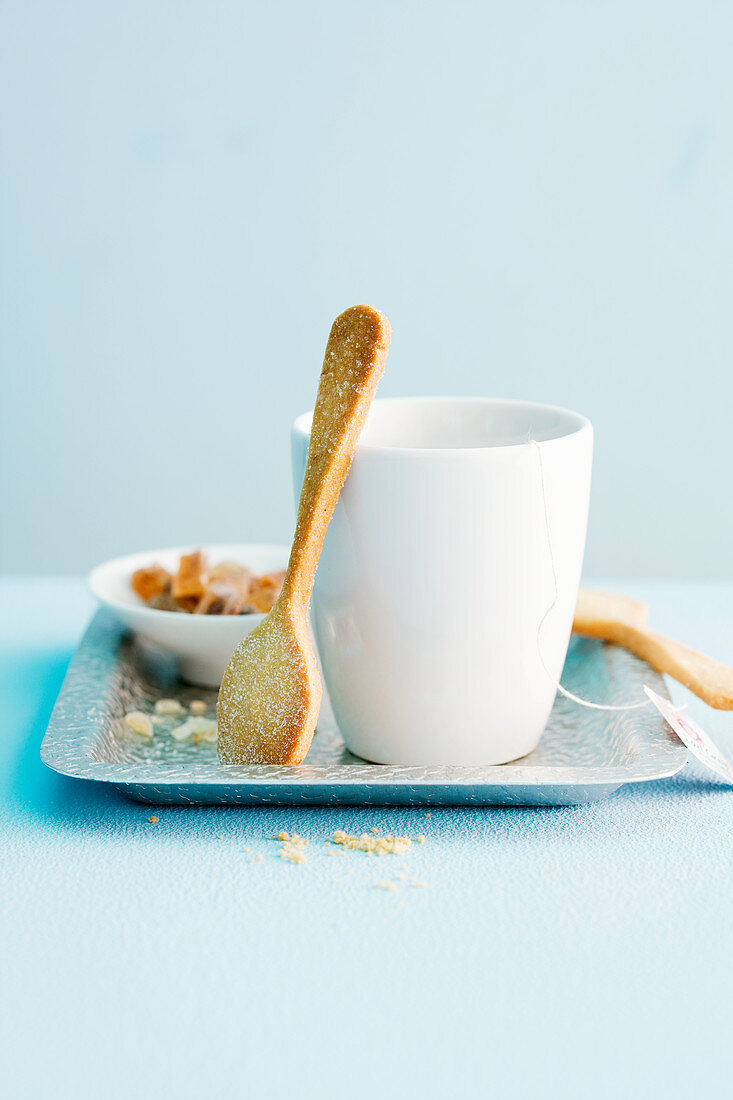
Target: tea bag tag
point(693, 737)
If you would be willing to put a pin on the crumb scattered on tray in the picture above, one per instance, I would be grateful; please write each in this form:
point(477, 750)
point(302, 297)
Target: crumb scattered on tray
point(200, 729)
point(386, 885)
point(139, 723)
point(153, 820)
point(169, 706)
point(164, 719)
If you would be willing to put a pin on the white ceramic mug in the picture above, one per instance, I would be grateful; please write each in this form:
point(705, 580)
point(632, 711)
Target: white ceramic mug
point(437, 570)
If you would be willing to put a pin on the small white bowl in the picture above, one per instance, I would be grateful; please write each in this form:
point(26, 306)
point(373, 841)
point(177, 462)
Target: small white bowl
point(203, 644)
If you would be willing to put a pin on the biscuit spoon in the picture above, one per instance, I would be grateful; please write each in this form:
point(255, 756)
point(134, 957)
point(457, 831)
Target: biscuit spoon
point(271, 691)
point(623, 621)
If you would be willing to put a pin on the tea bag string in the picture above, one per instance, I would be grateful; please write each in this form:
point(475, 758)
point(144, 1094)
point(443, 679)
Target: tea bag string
point(564, 691)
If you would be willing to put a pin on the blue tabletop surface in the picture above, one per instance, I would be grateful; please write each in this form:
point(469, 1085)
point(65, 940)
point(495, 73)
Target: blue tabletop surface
point(579, 951)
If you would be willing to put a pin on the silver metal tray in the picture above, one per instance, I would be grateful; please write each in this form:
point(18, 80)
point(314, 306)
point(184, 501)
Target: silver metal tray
point(584, 754)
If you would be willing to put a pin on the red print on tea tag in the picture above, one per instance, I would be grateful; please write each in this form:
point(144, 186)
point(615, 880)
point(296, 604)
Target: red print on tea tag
point(696, 740)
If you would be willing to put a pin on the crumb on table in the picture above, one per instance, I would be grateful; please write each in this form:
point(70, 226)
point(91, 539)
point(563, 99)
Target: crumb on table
point(292, 847)
point(372, 845)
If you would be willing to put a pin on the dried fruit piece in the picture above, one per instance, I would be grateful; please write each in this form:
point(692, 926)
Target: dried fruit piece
point(163, 602)
point(272, 580)
point(231, 572)
point(227, 591)
point(265, 591)
point(262, 599)
point(190, 580)
point(228, 588)
point(221, 599)
point(150, 582)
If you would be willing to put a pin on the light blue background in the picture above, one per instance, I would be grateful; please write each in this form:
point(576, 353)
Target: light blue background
point(538, 196)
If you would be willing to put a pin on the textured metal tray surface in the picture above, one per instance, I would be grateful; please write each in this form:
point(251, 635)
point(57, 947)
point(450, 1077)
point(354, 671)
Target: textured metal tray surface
point(584, 754)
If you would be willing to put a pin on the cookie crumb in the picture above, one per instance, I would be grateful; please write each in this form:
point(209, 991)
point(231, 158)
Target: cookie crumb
point(182, 732)
point(428, 815)
point(197, 706)
point(139, 723)
point(168, 706)
point(153, 820)
point(372, 845)
point(420, 838)
point(385, 885)
point(292, 849)
point(201, 729)
point(417, 882)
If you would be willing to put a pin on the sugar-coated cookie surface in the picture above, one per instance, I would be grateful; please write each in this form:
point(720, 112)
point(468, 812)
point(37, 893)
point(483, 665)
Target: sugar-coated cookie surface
point(271, 691)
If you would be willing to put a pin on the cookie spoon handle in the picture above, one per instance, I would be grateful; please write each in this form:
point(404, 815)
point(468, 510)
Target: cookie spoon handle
point(353, 364)
point(617, 619)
